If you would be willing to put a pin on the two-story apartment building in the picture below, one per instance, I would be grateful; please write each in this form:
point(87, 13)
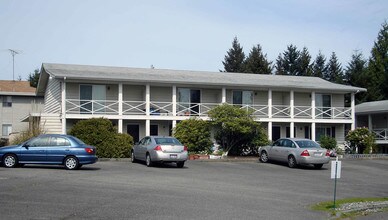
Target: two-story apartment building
point(374, 116)
point(152, 101)
point(18, 100)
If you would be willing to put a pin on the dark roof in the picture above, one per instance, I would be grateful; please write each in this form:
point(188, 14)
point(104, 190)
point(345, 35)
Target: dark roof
point(187, 77)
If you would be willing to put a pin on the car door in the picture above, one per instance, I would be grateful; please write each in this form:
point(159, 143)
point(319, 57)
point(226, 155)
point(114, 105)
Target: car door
point(57, 150)
point(34, 151)
point(273, 153)
point(285, 150)
point(143, 147)
point(137, 149)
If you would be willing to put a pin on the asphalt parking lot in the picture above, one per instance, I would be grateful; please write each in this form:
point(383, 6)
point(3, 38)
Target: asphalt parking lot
point(201, 190)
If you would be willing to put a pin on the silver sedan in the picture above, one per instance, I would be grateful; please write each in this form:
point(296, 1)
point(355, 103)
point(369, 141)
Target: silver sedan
point(295, 151)
point(160, 149)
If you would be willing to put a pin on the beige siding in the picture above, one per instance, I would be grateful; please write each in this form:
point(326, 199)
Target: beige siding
point(337, 100)
point(211, 95)
point(161, 94)
point(260, 97)
point(52, 97)
point(51, 124)
point(302, 99)
point(112, 92)
point(72, 91)
point(133, 93)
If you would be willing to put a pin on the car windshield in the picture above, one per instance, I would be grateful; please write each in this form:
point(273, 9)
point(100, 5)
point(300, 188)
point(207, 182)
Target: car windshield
point(307, 144)
point(167, 141)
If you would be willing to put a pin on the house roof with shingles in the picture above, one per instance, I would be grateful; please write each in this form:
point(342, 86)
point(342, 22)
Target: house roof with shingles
point(187, 77)
point(372, 107)
point(16, 88)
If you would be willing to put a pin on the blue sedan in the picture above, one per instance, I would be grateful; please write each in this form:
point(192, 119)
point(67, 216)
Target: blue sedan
point(51, 149)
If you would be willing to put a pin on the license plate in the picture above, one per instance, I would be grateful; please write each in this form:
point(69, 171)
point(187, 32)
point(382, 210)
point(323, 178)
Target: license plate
point(317, 154)
point(173, 156)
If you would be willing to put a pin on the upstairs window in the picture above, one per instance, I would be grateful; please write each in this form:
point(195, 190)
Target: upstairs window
point(243, 97)
point(7, 101)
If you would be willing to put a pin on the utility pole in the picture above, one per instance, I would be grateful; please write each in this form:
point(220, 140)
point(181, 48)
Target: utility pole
point(13, 53)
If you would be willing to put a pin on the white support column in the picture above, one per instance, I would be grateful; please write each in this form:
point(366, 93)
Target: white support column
point(148, 106)
point(291, 105)
point(173, 103)
point(120, 98)
point(223, 100)
point(270, 103)
point(352, 104)
point(292, 134)
point(313, 131)
point(269, 130)
point(313, 105)
point(63, 98)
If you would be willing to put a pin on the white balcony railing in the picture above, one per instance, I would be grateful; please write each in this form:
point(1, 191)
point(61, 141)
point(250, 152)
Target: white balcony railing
point(381, 134)
point(111, 107)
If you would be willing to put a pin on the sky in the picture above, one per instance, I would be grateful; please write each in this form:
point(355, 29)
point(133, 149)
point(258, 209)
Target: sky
point(178, 34)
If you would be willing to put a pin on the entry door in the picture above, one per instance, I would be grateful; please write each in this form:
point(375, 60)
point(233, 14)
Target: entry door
point(275, 133)
point(133, 130)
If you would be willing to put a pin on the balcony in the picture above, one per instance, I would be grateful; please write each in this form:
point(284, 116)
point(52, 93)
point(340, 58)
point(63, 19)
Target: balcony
point(381, 134)
point(111, 107)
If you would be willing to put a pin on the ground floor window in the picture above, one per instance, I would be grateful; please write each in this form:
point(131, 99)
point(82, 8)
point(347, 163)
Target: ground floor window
point(154, 130)
point(6, 129)
point(324, 131)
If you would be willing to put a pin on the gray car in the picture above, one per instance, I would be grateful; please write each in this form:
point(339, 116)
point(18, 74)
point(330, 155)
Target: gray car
point(295, 151)
point(160, 149)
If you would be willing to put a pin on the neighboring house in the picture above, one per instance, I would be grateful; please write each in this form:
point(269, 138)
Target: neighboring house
point(151, 101)
point(18, 100)
point(374, 116)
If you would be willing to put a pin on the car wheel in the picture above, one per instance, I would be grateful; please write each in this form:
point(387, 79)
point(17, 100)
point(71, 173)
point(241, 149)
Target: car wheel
point(291, 162)
point(149, 162)
point(71, 163)
point(10, 161)
point(318, 166)
point(180, 164)
point(264, 157)
point(133, 159)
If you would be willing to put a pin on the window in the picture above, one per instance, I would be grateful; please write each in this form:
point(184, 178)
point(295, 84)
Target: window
point(92, 98)
point(7, 101)
point(154, 130)
point(167, 141)
point(59, 141)
point(324, 131)
point(243, 97)
point(323, 103)
point(39, 142)
point(7, 129)
point(189, 100)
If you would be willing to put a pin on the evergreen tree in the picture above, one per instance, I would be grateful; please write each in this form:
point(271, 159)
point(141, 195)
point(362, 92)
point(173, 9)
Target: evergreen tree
point(378, 67)
point(334, 70)
point(304, 63)
point(257, 62)
point(234, 60)
point(319, 67)
point(290, 60)
point(33, 78)
point(279, 66)
point(355, 74)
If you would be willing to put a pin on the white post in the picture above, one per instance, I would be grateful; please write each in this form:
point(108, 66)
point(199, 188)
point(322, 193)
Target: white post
point(63, 97)
point(270, 103)
point(370, 123)
point(313, 131)
point(313, 105)
point(148, 106)
point(291, 105)
point(292, 135)
point(120, 125)
point(223, 100)
point(353, 126)
point(173, 102)
point(270, 130)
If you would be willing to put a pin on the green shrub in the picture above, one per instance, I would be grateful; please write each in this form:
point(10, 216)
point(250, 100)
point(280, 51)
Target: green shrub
point(328, 142)
point(363, 139)
point(101, 133)
point(195, 134)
